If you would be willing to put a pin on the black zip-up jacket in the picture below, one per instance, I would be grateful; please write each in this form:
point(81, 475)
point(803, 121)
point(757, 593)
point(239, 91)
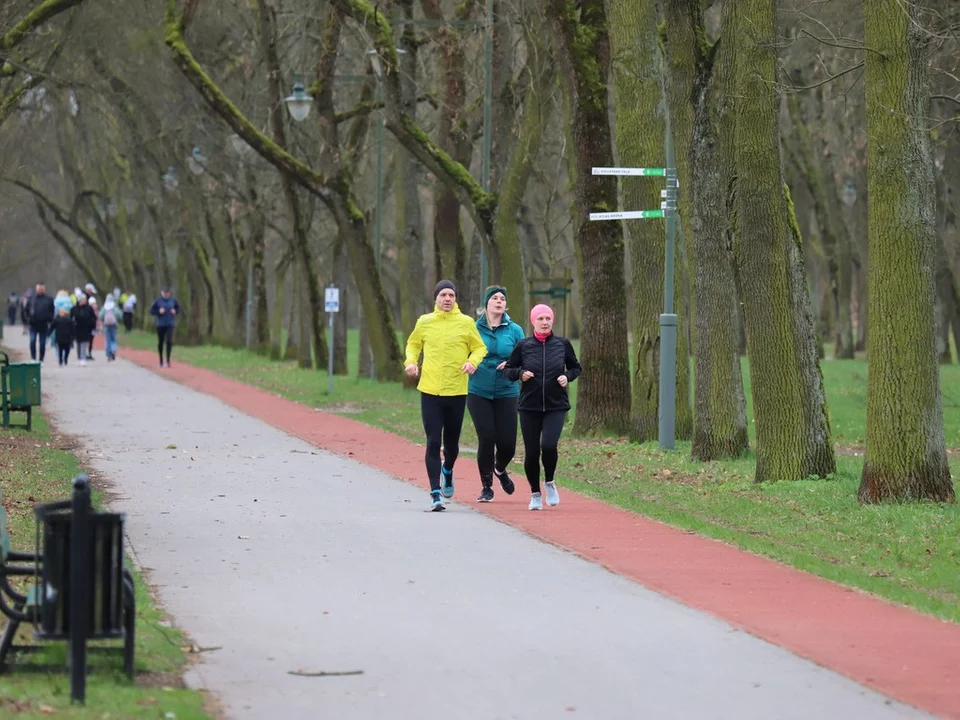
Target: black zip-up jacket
point(84, 322)
point(547, 361)
point(64, 327)
point(41, 312)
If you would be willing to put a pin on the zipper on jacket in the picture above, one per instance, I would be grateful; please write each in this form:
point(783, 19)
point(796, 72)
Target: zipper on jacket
point(543, 380)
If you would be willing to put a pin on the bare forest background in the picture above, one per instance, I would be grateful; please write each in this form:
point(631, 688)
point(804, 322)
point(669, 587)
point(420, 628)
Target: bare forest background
point(145, 142)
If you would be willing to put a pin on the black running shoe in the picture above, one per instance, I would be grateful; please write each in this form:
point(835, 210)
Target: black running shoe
point(505, 482)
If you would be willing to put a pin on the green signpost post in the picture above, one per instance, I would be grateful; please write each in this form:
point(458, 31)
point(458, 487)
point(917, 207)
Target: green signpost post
point(668, 319)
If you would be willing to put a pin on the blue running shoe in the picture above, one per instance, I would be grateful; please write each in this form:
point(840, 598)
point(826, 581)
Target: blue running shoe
point(436, 504)
point(446, 482)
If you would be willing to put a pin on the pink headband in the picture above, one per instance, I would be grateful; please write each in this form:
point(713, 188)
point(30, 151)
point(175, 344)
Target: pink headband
point(539, 310)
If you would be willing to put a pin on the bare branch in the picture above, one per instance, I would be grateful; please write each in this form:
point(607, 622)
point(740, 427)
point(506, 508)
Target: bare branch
point(36, 17)
point(303, 174)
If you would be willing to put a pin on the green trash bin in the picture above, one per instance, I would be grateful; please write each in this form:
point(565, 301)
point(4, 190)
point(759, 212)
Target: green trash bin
point(20, 387)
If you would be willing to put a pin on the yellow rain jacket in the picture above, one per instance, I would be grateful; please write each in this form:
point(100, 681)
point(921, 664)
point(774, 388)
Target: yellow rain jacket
point(448, 340)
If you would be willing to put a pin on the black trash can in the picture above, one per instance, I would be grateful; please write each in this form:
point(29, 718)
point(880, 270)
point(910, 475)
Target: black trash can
point(104, 558)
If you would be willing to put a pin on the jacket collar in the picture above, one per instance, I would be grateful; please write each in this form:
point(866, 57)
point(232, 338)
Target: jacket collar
point(503, 323)
point(441, 313)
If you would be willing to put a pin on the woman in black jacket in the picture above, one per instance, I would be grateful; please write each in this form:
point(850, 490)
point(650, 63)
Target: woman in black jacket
point(84, 323)
point(545, 364)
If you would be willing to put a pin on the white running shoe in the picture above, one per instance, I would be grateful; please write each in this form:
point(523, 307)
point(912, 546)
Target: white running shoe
point(536, 503)
point(553, 497)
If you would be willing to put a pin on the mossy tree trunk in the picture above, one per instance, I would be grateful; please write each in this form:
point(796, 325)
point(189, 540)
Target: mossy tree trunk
point(790, 409)
point(583, 49)
point(906, 456)
point(640, 127)
point(413, 302)
point(454, 139)
point(699, 76)
point(520, 165)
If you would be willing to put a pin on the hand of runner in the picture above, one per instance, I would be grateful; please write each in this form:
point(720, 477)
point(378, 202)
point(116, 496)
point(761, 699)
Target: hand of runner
point(526, 375)
point(502, 365)
point(468, 367)
point(562, 380)
point(412, 370)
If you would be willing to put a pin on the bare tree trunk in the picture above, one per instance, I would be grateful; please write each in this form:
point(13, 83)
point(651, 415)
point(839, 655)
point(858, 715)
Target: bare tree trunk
point(448, 239)
point(793, 428)
point(407, 197)
point(341, 271)
point(701, 76)
point(640, 130)
point(316, 340)
point(536, 113)
point(603, 400)
point(906, 457)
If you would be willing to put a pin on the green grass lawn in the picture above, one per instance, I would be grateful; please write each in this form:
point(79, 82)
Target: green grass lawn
point(907, 553)
point(35, 468)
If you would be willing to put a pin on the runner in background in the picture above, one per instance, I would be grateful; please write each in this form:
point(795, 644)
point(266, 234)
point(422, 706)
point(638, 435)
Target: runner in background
point(165, 309)
point(452, 350)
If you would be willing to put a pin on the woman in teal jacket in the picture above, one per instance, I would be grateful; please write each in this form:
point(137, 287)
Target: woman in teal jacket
point(492, 399)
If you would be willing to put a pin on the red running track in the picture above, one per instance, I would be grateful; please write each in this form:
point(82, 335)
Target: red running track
point(899, 652)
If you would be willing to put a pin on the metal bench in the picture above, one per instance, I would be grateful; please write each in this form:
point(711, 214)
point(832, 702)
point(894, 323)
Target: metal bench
point(78, 587)
point(19, 389)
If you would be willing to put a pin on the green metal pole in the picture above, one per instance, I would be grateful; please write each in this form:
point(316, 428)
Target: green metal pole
point(668, 320)
point(487, 128)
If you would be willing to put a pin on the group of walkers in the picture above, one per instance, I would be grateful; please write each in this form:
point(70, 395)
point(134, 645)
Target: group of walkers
point(489, 367)
point(75, 318)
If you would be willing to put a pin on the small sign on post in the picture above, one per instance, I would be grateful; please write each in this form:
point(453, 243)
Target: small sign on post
point(332, 300)
point(332, 305)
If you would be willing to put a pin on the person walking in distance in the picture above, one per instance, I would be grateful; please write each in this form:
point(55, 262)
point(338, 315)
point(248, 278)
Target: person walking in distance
point(110, 319)
point(84, 323)
point(64, 327)
point(165, 309)
point(13, 304)
point(452, 350)
point(41, 314)
point(128, 301)
point(545, 364)
point(492, 398)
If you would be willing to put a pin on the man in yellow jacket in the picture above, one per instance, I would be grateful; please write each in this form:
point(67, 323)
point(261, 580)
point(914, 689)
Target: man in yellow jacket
point(452, 350)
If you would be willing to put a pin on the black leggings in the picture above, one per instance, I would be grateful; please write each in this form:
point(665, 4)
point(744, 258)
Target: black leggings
point(496, 424)
point(164, 335)
point(442, 420)
point(541, 434)
point(63, 352)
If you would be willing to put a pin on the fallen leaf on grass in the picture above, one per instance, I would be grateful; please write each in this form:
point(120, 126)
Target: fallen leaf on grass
point(323, 673)
point(46, 710)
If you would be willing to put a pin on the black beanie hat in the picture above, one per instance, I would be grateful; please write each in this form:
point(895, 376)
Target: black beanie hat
point(444, 285)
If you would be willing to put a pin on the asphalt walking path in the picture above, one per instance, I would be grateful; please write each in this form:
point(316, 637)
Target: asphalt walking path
point(295, 561)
